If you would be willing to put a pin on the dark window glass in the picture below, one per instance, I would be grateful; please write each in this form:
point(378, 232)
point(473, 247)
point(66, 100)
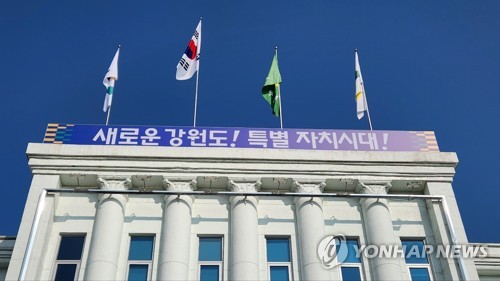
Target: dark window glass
point(278, 250)
point(414, 252)
point(65, 272)
point(279, 273)
point(420, 274)
point(209, 273)
point(210, 249)
point(138, 272)
point(350, 273)
point(71, 248)
point(141, 248)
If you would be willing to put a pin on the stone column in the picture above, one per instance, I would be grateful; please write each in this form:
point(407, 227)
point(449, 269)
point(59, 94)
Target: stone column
point(102, 262)
point(176, 232)
point(310, 231)
point(378, 228)
point(244, 239)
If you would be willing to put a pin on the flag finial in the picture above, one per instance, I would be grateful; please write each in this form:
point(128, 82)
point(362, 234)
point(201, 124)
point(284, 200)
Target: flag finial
point(119, 46)
point(201, 18)
point(355, 50)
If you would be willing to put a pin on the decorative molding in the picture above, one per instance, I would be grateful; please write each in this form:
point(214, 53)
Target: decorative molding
point(244, 186)
point(179, 185)
point(308, 187)
point(114, 182)
point(373, 187)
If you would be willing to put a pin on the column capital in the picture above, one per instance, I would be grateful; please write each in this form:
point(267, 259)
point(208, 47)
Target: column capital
point(373, 187)
point(308, 187)
point(179, 185)
point(114, 182)
point(244, 186)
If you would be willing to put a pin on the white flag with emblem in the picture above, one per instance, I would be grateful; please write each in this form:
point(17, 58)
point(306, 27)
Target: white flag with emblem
point(109, 81)
point(360, 89)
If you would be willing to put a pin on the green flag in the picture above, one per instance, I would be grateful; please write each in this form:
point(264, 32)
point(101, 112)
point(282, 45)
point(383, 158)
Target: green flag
point(271, 89)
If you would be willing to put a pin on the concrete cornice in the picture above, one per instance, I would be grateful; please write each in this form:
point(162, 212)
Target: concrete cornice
point(92, 151)
point(299, 164)
point(489, 265)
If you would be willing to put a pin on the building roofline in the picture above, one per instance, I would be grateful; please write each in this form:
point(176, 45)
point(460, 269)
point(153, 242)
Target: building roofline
point(90, 151)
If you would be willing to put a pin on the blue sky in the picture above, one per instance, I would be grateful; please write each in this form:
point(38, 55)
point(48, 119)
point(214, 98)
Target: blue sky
point(427, 65)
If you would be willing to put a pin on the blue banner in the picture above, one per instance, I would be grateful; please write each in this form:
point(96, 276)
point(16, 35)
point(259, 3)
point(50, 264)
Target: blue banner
point(314, 139)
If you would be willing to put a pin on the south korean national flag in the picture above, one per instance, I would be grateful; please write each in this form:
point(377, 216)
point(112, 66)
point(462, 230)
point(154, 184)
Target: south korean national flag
point(188, 64)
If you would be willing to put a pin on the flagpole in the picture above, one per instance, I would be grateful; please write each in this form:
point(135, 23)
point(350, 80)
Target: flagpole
point(367, 110)
point(112, 84)
point(196, 94)
point(281, 112)
point(107, 119)
point(109, 108)
point(196, 89)
point(279, 93)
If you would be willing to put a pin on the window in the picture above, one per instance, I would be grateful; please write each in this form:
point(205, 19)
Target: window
point(416, 260)
point(140, 258)
point(350, 269)
point(278, 259)
point(210, 258)
point(69, 257)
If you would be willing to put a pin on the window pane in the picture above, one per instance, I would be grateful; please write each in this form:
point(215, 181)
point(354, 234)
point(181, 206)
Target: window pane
point(141, 248)
point(414, 252)
point(420, 274)
point(279, 273)
point(209, 273)
point(350, 273)
point(138, 272)
point(210, 249)
point(278, 250)
point(71, 248)
point(65, 272)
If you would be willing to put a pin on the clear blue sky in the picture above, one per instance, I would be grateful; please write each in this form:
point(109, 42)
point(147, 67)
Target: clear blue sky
point(427, 65)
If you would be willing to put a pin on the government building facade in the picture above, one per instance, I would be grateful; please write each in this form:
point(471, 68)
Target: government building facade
point(119, 212)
